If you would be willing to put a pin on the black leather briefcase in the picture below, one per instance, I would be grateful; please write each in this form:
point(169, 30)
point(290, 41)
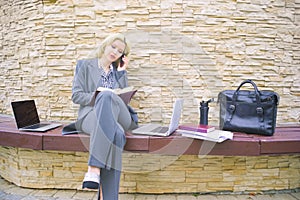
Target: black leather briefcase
point(248, 111)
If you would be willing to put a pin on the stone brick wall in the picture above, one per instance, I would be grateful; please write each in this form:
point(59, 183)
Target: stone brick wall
point(180, 48)
point(153, 173)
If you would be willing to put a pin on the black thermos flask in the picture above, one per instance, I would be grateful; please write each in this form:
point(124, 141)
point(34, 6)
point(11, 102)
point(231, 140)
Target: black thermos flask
point(204, 112)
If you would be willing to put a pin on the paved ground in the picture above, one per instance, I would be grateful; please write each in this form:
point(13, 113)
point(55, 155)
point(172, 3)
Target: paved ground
point(10, 191)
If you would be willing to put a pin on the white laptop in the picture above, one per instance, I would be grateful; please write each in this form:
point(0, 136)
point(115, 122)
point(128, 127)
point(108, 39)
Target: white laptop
point(27, 118)
point(157, 129)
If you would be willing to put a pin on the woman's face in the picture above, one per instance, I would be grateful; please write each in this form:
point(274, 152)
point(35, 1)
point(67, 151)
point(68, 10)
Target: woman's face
point(114, 51)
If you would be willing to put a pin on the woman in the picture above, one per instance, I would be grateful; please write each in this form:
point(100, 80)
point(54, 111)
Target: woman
point(104, 116)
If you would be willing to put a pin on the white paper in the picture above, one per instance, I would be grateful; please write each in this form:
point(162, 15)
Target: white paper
point(214, 136)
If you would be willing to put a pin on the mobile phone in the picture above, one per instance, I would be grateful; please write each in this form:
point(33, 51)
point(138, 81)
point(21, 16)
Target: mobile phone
point(121, 60)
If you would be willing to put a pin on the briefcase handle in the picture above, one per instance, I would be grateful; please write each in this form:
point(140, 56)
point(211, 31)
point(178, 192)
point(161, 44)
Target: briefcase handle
point(259, 108)
point(257, 94)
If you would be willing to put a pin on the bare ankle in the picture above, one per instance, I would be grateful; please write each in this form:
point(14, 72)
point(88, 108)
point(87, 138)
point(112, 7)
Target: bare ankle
point(93, 169)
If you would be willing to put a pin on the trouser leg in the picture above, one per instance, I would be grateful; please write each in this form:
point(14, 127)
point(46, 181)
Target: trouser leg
point(106, 125)
point(111, 178)
point(110, 115)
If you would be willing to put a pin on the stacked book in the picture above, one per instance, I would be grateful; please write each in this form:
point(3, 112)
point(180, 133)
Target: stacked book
point(204, 132)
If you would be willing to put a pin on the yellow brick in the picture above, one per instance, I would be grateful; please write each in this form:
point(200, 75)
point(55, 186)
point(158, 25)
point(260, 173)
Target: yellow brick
point(220, 186)
point(46, 173)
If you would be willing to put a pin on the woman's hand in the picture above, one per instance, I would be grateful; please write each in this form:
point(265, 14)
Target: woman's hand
point(125, 61)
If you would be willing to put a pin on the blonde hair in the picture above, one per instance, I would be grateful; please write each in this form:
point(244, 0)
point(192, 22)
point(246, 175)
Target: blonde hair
point(98, 52)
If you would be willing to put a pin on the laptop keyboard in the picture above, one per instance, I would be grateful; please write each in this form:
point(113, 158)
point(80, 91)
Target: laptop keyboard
point(160, 130)
point(35, 126)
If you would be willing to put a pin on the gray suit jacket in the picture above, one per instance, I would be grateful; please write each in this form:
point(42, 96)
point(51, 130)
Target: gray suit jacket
point(86, 80)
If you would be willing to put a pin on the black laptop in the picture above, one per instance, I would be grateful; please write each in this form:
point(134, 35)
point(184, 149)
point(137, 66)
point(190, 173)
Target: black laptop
point(27, 118)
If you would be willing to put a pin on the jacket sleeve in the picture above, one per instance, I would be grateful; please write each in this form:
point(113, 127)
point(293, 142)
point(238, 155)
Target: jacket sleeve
point(80, 93)
point(121, 78)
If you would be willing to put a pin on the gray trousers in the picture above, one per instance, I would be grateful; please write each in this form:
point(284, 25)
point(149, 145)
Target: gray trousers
point(106, 125)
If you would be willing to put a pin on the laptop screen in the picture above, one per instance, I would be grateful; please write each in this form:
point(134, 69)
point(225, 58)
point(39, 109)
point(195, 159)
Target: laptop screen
point(177, 107)
point(25, 113)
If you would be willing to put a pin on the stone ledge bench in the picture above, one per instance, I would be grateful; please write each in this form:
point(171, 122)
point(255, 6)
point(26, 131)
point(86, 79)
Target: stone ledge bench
point(174, 164)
